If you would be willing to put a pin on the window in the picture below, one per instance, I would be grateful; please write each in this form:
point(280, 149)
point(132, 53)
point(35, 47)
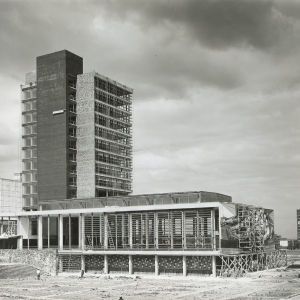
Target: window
point(26, 177)
point(26, 201)
point(34, 153)
point(34, 165)
point(34, 189)
point(26, 189)
point(27, 153)
point(72, 181)
point(33, 227)
point(72, 156)
point(34, 141)
point(27, 166)
point(33, 104)
point(34, 177)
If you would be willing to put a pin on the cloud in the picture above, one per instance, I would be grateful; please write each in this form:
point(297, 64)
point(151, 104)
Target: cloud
point(213, 23)
point(216, 88)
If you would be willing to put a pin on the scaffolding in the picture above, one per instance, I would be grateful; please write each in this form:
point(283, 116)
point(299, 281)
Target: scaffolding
point(239, 265)
point(251, 225)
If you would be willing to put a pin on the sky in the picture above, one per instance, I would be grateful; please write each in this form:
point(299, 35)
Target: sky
point(216, 89)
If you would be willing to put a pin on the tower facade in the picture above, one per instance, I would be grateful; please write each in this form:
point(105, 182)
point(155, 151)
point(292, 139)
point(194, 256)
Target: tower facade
point(104, 138)
point(76, 132)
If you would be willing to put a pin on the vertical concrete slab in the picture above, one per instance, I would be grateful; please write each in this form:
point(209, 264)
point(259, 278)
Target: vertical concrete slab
point(184, 271)
point(214, 266)
point(130, 264)
point(40, 232)
point(85, 135)
point(156, 266)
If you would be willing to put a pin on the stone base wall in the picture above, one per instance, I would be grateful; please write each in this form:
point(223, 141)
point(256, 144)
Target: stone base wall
point(46, 260)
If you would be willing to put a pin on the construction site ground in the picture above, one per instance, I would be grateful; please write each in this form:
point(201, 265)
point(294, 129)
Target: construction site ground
point(281, 283)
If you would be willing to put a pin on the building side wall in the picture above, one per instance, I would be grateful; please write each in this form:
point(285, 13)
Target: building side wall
point(52, 129)
point(10, 195)
point(30, 77)
point(85, 136)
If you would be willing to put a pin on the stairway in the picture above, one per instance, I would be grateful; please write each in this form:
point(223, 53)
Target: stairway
point(17, 271)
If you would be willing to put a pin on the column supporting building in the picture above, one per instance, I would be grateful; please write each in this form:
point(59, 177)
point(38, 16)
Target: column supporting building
point(105, 264)
point(214, 266)
point(60, 233)
point(184, 269)
point(20, 239)
point(156, 266)
point(130, 265)
point(40, 232)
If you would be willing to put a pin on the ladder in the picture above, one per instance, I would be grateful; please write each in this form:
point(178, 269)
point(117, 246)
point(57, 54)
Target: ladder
point(109, 235)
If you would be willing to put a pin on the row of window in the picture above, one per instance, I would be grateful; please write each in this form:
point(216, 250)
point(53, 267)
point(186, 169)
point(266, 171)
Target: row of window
point(112, 171)
point(112, 159)
point(30, 129)
point(29, 189)
point(113, 136)
point(28, 94)
point(30, 141)
point(112, 183)
point(111, 88)
point(113, 101)
point(110, 147)
point(113, 124)
point(30, 117)
point(27, 106)
point(112, 112)
point(29, 153)
point(29, 201)
point(29, 165)
point(29, 177)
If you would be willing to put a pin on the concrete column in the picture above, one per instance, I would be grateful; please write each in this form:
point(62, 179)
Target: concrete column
point(48, 231)
point(105, 233)
point(183, 231)
point(184, 271)
point(70, 232)
point(123, 231)
point(214, 266)
point(82, 262)
point(130, 265)
point(40, 232)
point(82, 232)
point(105, 264)
point(172, 229)
point(60, 232)
point(147, 230)
point(156, 266)
point(213, 236)
point(20, 239)
point(130, 231)
point(92, 225)
point(156, 223)
point(28, 233)
point(79, 231)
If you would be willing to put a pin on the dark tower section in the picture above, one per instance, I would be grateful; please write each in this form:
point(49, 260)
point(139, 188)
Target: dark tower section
point(56, 129)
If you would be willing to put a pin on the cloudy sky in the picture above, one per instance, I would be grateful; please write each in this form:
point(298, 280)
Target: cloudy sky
point(216, 89)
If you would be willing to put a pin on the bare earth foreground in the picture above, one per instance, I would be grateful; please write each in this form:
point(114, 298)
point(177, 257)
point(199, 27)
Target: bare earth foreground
point(272, 284)
point(269, 284)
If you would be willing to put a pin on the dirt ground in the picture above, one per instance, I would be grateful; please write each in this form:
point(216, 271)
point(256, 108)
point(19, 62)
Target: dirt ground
point(271, 284)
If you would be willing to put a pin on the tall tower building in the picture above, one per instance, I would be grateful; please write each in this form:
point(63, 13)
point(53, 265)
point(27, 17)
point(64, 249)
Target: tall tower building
point(104, 140)
point(76, 132)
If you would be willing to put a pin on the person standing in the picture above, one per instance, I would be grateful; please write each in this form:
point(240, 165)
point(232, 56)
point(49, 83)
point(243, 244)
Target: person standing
point(38, 274)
